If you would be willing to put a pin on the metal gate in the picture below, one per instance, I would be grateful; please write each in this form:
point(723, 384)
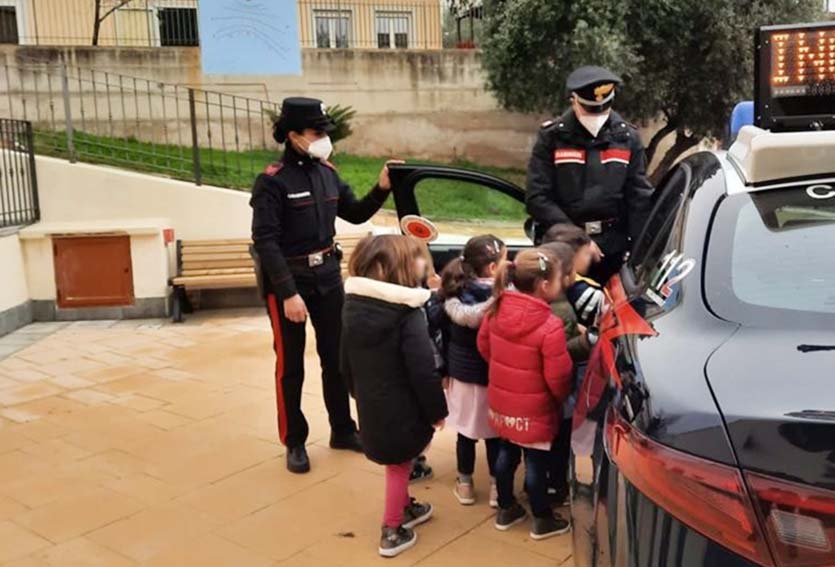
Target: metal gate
point(18, 184)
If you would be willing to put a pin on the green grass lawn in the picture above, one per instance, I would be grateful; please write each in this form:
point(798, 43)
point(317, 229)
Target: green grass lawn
point(438, 199)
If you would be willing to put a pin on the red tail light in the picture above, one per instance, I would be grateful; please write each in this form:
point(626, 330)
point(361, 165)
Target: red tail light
point(711, 498)
point(705, 495)
point(799, 521)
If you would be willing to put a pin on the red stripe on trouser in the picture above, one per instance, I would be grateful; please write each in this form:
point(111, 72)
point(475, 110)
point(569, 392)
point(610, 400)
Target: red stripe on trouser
point(279, 369)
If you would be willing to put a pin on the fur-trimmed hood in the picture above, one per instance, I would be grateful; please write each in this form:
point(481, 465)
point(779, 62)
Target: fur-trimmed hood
point(390, 293)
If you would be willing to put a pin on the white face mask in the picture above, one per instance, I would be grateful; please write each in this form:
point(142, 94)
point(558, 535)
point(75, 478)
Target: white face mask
point(593, 122)
point(321, 148)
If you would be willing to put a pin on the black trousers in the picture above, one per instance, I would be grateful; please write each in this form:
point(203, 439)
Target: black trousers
point(536, 477)
point(465, 451)
point(325, 309)
point(560, 456)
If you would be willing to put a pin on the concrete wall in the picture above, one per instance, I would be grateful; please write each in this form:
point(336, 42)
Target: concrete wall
point(426, 104)
point(84, 193)
point(80, 199)
point(150, 260)
point(13, 290)
point(15, 304)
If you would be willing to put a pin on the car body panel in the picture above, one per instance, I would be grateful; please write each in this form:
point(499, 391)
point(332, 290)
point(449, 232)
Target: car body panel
point(658, 379)
point(771, 396)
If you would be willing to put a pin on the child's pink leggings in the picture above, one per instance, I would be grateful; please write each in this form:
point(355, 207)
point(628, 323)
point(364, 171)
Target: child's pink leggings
point(397, 493)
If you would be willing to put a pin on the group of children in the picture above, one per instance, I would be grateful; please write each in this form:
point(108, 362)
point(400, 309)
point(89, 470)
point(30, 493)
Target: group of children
point(495, 353)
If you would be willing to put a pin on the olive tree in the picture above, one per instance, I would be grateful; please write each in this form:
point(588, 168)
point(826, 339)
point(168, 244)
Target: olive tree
point(684, 62)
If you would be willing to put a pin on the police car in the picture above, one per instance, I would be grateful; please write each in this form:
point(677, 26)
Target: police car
point(704, 433)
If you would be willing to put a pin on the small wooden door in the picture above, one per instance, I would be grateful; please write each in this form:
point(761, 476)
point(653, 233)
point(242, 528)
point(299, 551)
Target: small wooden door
point(93, 271)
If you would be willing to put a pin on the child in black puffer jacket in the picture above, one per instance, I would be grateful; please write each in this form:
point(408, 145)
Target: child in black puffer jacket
point(388, 363)
point(467, 290)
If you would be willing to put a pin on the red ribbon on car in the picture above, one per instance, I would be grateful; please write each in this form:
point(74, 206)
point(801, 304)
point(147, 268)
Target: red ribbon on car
point(620, 319)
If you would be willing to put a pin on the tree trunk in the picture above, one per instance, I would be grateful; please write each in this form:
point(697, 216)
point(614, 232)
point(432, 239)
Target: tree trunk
point(97, 22)
point(682, 144)
point(666, 130)
point(102, 17)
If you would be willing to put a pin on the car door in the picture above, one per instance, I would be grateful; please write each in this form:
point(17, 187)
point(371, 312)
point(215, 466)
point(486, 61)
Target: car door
point(460, 203)
point(610, 384)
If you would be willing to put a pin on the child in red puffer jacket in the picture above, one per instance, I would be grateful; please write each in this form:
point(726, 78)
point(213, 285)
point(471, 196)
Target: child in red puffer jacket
point(529, 379)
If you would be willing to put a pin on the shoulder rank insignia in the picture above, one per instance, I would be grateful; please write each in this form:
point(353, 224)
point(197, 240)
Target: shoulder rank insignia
point(273, 168)
point(546, 123)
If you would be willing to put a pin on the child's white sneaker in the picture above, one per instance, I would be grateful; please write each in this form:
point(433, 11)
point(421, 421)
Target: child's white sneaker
point(464, 492)
point(494, 495)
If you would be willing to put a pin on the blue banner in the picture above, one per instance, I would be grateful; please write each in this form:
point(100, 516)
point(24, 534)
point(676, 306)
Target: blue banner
point(249, 37)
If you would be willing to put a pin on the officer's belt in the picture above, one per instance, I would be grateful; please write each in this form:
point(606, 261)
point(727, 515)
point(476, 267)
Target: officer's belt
point(314, 258)
point(599, 227)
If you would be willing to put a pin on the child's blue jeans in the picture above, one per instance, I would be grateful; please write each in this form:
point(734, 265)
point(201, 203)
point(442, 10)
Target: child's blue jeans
point(536, 477)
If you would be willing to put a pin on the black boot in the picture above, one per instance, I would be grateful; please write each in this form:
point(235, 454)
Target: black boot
point(297, 460)
point(346, 442)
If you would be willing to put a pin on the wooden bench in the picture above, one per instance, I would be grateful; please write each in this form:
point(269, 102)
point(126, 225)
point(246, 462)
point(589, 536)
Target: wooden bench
point(225, 264)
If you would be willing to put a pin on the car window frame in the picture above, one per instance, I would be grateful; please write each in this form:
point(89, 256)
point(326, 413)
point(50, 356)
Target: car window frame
point(638, 283)
point(406, 177)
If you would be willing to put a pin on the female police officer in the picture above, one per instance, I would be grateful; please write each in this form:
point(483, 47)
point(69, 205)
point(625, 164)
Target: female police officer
point(295, 203)
point(588, 168)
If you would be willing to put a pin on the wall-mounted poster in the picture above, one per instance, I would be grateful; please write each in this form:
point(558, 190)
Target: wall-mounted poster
point(249, 37)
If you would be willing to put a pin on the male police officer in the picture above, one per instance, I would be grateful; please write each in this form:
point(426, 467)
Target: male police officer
point(295, 203)
point(588, 167)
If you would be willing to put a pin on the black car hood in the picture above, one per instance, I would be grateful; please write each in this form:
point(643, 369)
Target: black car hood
point(778, 400)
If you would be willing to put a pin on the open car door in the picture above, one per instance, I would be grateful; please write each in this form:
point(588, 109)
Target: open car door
point(460, 203)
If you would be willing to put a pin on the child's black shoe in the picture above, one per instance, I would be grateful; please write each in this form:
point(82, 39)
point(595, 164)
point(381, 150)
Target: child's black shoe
point(507, 518)
point(416, 514)
point(394, 541)
point(549, 526)
point(420, 470)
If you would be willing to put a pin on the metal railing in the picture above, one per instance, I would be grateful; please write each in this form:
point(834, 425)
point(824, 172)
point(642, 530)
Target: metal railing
point(123, 23)
point(18, 183)
point(100, 117)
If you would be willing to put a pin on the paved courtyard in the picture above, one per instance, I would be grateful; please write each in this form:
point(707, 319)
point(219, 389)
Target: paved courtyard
point(147, 443)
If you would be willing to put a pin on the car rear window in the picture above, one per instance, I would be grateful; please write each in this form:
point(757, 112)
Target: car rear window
point(772, 256)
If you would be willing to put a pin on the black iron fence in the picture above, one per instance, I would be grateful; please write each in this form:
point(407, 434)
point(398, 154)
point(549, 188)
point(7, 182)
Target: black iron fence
point(124, 23)
point(18, 183)
point(100, 117)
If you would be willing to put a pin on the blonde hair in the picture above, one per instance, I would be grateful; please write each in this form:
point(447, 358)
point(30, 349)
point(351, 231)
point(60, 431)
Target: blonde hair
point(388, 258)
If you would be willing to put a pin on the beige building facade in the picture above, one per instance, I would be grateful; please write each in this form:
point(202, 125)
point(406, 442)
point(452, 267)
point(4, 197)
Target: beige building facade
point(327, 24)
point(371, 24)
point(136, 23)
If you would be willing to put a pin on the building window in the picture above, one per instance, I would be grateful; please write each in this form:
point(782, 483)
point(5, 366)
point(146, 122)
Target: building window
point(178, 27)
point(393, 29)
point(333, 28)
point(8, 25)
